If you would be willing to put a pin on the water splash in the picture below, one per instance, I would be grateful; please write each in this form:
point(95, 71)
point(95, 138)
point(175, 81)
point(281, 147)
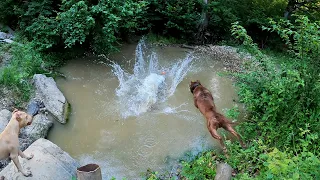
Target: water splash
point(148, 85)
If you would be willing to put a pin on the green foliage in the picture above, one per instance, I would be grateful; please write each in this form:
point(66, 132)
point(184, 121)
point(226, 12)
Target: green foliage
point(38, 23)
point(280, 165)
point(75, 23)
point(202, 167)
point(151, 175)
point(240, 33)
point(44, 32)
point(233, 112)
point(221, 15)
point(9, 9)
point(116, 17)
point(302, 37)
point(183, 17)
point(255, 12)
point(282, 99)
point(158, 39)
point(101, 25)
point(24, 64)
point(260, 162)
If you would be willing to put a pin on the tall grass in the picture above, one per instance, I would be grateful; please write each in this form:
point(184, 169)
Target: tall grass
point(25, 62)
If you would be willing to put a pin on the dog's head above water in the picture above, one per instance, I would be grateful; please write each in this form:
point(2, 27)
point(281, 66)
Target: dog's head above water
point(23, 118)
point(194, 84)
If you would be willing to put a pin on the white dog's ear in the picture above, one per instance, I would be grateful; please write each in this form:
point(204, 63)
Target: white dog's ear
point(15, 110)
point(18, 116)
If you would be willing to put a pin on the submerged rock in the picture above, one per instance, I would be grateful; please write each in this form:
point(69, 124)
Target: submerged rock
point(52, 97)
point(49, 162)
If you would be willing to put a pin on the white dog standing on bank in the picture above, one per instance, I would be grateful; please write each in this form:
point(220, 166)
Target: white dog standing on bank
point(9, 140)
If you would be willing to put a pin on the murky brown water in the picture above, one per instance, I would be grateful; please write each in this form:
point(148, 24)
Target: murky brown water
point(96, 133)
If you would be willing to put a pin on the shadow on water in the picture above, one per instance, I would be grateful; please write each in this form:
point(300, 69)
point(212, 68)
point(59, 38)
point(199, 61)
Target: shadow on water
point(127, 116)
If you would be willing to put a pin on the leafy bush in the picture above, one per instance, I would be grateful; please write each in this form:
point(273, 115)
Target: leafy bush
point(202, 167)
point(302, 37)
point(44, 32)
point(260, 162)
point(116, 18)
point(282, 98)
point(75, 23)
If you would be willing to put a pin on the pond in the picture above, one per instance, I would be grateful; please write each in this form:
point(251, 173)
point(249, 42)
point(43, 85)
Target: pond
point(134, 110)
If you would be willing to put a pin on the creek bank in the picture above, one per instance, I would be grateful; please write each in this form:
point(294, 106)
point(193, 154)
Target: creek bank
point(46, 90)
point(56, 105)
point(231, 57)
point(49, 162)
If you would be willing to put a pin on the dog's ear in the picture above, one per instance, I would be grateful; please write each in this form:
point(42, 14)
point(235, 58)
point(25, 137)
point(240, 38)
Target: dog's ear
point(15, 110)
point(18, 116)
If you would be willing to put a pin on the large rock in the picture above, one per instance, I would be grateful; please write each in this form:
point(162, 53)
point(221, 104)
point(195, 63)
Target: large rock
point(49, 162)
point(38, 129)
point(7, 41)
point(223, 172)
point(5, 36)
point(5, 116)
point(54, 100)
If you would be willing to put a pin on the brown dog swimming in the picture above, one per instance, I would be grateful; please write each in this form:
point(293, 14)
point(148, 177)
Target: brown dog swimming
point(9, 140)
point(203, 100)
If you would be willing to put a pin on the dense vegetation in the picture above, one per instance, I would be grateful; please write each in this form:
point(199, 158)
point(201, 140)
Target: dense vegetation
point(280, 86)
point(101, 25)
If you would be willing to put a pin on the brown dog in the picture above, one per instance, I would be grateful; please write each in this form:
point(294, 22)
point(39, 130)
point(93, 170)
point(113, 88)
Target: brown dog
point(203, 100)
point(9, 141)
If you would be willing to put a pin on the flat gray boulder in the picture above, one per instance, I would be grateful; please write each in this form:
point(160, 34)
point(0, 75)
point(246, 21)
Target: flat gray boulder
point(5, 117)
point(38, 129)
point(49, 162)
point(52, 97)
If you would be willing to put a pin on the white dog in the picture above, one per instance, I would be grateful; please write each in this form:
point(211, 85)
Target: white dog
point(9, 140)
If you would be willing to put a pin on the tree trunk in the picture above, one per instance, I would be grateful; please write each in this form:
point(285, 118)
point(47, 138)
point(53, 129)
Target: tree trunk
point(204, 23)
point(294, 5)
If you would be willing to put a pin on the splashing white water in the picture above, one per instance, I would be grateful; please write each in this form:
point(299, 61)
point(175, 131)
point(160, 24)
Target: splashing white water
point(141, 91)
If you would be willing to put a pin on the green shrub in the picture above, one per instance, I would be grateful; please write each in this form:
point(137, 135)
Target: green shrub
point(282, 99)
point(116, 18)
point(44, 32)
point(24, 64)
point(302, 36)
point(202, 167)
point(260, 162)
point(75, 23)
